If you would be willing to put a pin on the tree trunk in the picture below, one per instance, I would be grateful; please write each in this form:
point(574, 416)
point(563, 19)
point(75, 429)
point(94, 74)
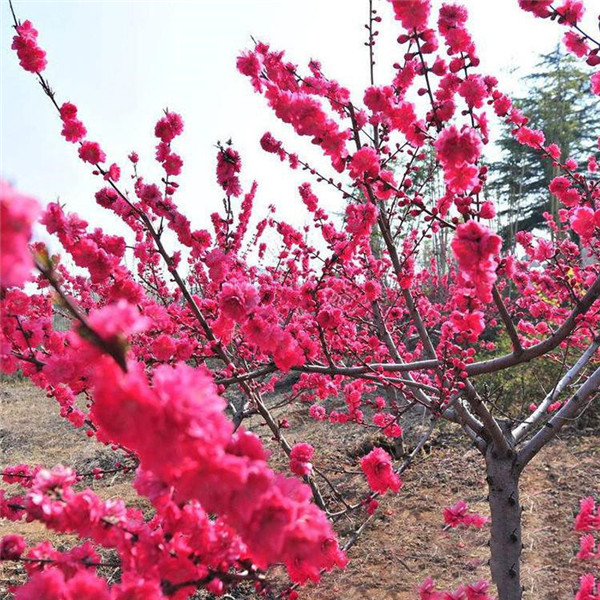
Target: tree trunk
point(505, 543)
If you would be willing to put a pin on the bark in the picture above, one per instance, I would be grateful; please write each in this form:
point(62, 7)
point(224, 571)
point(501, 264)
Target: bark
point(505, 543)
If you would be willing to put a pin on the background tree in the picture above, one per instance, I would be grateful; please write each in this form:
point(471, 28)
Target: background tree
point(557, 101)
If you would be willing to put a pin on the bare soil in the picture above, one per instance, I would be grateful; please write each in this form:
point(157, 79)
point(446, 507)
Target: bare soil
point(402, 544)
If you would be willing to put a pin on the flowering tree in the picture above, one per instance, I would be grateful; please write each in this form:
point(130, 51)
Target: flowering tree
point(154, 348)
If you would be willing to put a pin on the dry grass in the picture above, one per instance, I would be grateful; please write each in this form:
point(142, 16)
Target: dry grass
point(404, 543)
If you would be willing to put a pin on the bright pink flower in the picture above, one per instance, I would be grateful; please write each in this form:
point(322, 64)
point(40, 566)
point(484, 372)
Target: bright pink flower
point(583, 222)
point(561, 187)
point(587, 547)
point(269, 144)
point(377, 467)
point(452, 16)
point(372, 290)
point(31, 57)
point(458, 151)
point(300, 457)
point(575, 44)
point(317, 412)
point(530, 137)
point(11, 547)
point(540, 8)
point(487, 210)
point(476, 249)
point(413, 14)
point(388, 423)
point(17, 215)
point(73, 130)
point(587, 588)
point(427, 590)
point(478, 591)
point(473, 90)
point(459, 515)
point(237, 300)
point(91, 152)
point(588, 518)
point(379, 99)
point(169, 127)
point(44, 585)
point(229, 165)
point(172, 164)
point(469, 324)
point(595, 81)
point(113, 173)
point(86, 584)
point(360, 219)
point(364, 162)
point(571, 11)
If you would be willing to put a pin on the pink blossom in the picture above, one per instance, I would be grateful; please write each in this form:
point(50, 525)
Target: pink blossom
point(31, 57)
point(317, 412)
point(300, 457)
point(229, 165)
point(588, 518)
point(458, 151)
point(73, 130)
point(379, 99)
point(452, 16)
point(169, 127)
point(377, 467)
point(469, 324)
point(364, 162)
point(595, 81)
point(530, 137)
point(571, 11)
point(459, 515)
point(17, 215)
point(237, 300)
point(473, 90)
point(427, 590)
point(587, 547)
point(91, 152)
point(476, 249)
point(575, 44)
point(413, 14)
point(11, 547)
point(588, 590)
point(540, 8)
point(583, 221)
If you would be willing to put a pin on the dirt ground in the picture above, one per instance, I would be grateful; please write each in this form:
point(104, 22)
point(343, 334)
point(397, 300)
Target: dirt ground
point(404, 543)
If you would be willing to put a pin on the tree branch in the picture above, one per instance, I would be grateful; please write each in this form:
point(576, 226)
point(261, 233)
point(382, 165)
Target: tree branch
point(523, 429)
point(568, 412)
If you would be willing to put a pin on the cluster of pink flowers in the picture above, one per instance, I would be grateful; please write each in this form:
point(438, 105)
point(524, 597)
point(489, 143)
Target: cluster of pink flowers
point(229, 165)
point(458, 152)
point(300, 457)
point(73, 129)
point(413, 14)
point(585, 220)
point(166, 130)
point(474, 591)
point(379, 471)
point(17, 215)
point(587, 521)
point(459, 514)
point(31, 57)
point(476, 250)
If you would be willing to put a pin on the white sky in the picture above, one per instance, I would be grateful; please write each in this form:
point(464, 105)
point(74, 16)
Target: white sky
point(121, 63)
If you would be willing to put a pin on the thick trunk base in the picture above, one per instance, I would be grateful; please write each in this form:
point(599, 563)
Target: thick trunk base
point(505, 542)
